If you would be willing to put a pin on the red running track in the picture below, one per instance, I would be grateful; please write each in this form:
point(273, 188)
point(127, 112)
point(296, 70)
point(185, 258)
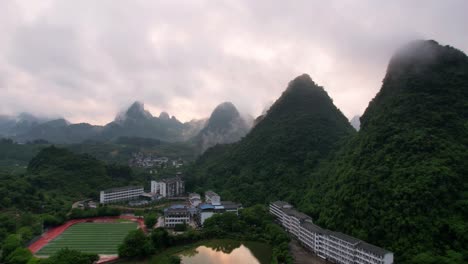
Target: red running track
point(52, 233)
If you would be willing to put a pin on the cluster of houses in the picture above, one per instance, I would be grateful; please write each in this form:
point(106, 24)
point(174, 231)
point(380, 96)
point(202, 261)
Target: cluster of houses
point(165, 188)
point(197, 211)
point(144, 160)
point(86, 204)
point(332, 246)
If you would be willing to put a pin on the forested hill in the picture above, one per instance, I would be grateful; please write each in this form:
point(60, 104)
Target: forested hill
point(74, 175)
point(225, 125)
point(402, 181)
point(270, 162)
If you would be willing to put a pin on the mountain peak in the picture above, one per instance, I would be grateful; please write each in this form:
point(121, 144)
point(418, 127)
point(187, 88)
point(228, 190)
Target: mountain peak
point(164, 116)
point(226, 106)
point(419, 54)
point(137, 111)
point(301, 81)
point(225, 110)
point(225, 125)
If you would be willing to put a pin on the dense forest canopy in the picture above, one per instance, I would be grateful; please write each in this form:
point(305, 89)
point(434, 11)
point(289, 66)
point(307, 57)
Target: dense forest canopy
point(402, 181)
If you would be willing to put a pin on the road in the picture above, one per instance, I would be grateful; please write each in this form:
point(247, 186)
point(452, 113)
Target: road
point(303, 256)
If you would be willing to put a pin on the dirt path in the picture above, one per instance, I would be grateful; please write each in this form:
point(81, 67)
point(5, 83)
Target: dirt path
point(303, 256)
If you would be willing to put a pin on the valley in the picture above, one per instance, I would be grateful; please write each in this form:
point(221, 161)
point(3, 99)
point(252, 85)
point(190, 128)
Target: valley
point(395, 187)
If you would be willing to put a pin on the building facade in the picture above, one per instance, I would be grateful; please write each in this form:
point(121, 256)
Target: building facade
point(168, 187)
point(194, 199)
point(332, 246)
point(120, 194)
point(212, 198)
point(176, 214)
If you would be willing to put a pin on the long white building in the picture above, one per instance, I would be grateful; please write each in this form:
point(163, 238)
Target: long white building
point(332, 246)
point(120, 194)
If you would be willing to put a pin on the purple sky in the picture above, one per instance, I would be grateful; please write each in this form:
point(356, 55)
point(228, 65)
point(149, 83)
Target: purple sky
point(87, 60)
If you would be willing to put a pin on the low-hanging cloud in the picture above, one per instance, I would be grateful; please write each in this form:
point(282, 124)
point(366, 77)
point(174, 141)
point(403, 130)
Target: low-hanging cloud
point(86, 60)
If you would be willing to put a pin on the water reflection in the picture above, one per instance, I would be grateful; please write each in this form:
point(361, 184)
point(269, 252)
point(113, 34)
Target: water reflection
point(227, 252)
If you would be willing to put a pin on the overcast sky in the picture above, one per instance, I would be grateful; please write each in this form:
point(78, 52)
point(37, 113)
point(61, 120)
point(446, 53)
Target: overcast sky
point(86, 60)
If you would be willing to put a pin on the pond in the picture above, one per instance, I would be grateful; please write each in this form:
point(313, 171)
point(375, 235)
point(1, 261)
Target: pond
point(227, 252)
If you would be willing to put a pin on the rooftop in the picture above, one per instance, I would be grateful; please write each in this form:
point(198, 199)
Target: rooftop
point(177, 206)
point(120, 189)
point(314, 228)
point(230, 205)
point(206, 206)
point(345, 237)
point(282, 204)
point(210, 194)
point(297, 214)
point(373, 249)
point(168, 180)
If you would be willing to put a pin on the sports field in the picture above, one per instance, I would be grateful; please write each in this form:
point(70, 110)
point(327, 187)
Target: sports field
point(99, 238)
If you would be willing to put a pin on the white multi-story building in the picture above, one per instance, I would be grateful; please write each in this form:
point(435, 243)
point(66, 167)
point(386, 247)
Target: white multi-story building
point(176, 214)
point(168, 187)
point(212, 198)
point(120, 194)
point(194, 199)
point(333, 246)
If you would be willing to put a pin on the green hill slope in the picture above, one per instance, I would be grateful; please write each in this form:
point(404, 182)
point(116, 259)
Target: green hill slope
point(75, 176)
point(300, 128)
point(402, 182)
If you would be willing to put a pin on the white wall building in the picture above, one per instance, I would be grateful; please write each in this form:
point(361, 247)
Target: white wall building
point(212, 198)
point(168, 187)
point(120, 194)
point(176, 214)
point(333, 246)
point(194, 199)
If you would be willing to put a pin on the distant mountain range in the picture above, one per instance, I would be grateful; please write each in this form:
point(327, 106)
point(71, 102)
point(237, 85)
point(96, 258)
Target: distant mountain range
point(355, 122)
point(224, 126)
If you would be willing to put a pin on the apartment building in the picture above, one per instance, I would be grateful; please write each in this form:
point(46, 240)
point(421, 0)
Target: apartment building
point(332, 246)
point(176, 214)
point(168, 187)
point(120, 194)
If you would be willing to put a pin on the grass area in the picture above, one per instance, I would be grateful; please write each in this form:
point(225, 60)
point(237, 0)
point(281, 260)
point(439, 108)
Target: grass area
point(99, 238)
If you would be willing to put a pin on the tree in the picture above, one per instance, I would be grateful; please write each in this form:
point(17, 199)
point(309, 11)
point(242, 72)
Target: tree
point(11, 243)
point(180, 227)
point(25, 233)
point(136, 245)
point(66, 256)
point(150, 220)
point(160, 238)
point(19, 256)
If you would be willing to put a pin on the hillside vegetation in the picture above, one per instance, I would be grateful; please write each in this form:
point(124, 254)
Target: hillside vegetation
point(402, 181)
point(271, 162)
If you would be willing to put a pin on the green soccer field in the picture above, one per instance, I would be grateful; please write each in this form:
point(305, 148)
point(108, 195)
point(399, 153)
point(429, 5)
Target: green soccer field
point(99, 238)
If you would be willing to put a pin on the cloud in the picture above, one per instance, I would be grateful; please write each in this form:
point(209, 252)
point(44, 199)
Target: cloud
point(86, 60)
